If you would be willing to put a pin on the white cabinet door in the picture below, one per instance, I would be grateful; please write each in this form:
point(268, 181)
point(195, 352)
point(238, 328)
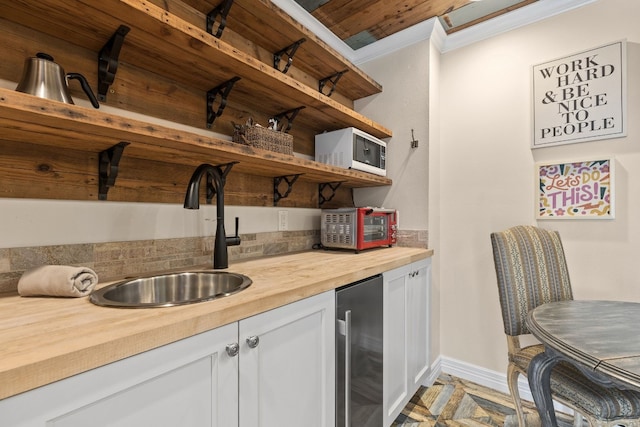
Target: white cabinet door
point(287, 366)
point(406, 334)
point(395, 336)
point(192, 382)
point(418, 310)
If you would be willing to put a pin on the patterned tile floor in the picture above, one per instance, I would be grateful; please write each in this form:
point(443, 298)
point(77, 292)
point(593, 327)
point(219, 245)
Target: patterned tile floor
point(452, 402)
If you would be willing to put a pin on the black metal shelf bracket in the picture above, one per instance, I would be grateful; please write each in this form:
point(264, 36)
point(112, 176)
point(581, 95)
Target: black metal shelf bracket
point(289, 51)
point(108, 163)
point(223, 171)
point(331, 185)
point(290, 115)
point(223, 90)
point(211, 189)
point(333, 80)
point(221, 10)
point(108, 61)
point(290, 180)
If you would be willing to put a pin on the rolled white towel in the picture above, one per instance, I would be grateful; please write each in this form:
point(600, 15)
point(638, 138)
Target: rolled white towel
point(58, 281)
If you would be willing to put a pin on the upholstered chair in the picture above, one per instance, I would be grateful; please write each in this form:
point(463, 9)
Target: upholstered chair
point(531, 270)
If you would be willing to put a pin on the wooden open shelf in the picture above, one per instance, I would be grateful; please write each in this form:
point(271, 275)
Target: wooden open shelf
point(266, 25)
point(168, 63)
point(25, 118)
point(174, 48)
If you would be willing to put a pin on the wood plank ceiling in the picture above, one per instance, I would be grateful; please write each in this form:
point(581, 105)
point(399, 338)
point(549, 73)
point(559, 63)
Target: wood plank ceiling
point(361, 22)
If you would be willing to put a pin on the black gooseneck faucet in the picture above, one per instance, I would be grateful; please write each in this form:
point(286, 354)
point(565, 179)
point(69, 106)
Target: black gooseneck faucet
point(216, 178)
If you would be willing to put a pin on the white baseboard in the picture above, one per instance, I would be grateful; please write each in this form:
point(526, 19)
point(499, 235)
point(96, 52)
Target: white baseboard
point(482, 376)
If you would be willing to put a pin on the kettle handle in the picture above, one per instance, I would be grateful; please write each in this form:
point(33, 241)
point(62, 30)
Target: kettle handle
point(85, 86)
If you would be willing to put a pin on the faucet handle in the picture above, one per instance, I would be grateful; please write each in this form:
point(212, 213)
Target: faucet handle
point(235, 240)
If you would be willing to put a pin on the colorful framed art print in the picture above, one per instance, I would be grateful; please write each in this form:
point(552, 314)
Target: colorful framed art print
point(575, 190)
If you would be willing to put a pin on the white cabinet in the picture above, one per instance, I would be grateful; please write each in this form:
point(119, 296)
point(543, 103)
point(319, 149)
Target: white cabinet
point(406, 334)
point(287, 365)
point(192, 382)
point(283, 375)
point(419, 325)
point(286, 379)
point(395, 353)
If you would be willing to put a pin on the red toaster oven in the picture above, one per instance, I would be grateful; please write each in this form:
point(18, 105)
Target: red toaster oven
point(358, 228)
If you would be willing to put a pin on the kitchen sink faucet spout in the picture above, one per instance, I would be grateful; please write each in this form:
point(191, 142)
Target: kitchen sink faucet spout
point(216, 179)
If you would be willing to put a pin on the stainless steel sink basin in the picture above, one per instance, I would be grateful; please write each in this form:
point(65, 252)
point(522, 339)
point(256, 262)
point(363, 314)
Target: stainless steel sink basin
point(167, 290)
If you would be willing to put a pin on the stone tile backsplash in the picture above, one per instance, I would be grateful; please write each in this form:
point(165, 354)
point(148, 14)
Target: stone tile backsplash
point(114, 260)
point(413, 238)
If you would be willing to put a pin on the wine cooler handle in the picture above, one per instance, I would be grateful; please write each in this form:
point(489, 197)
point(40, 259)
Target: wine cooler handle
point(347, 368)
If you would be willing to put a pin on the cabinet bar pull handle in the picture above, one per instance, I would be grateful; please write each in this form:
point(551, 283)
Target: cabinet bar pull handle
point(347, 368)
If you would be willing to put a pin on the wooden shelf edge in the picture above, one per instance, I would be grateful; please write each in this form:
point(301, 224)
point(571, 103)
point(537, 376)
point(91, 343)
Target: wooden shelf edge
point(267, 11)
point(264, 24)
point(24, 117)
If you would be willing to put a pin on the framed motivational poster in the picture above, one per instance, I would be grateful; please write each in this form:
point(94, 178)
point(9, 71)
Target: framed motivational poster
point(581, 97)
point(576, 190)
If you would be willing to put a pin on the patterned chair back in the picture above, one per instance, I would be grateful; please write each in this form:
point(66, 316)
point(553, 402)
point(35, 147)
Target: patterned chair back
point(531, 270)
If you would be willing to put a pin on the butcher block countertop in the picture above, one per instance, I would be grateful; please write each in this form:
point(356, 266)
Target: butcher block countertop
point(43, 340)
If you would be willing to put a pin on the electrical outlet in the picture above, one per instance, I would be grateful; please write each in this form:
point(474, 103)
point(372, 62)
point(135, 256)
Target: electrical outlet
point(283, 220)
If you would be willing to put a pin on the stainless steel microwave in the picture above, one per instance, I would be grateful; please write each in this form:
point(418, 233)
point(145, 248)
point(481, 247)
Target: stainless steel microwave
point(352, 148)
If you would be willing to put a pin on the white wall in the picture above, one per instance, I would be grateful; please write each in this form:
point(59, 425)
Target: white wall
point(402, 106)
point(435, 197)
point(26, 222)
point(486, 174)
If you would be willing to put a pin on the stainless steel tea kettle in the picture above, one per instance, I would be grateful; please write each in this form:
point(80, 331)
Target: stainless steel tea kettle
point(45, 79)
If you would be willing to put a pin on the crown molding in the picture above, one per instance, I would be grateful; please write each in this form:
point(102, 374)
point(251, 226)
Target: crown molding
point(520, 17)
point(438, 36)
point(394, 42)
point(431, 29)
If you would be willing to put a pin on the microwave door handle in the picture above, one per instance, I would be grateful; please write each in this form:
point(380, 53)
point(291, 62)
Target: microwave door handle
point(365, 151)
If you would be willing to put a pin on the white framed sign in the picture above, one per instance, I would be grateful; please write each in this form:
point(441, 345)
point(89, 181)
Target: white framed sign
point(581, 97)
